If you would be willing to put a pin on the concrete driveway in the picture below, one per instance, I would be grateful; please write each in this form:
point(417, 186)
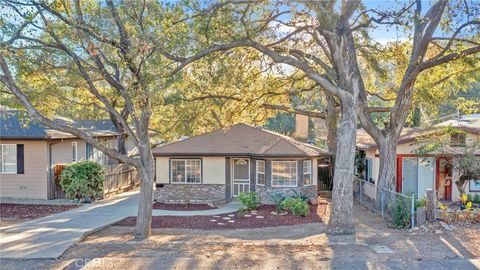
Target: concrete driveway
point(51, 236)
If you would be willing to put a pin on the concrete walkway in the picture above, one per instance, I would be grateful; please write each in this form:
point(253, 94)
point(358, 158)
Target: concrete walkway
point(228, 208)
point(51, 236)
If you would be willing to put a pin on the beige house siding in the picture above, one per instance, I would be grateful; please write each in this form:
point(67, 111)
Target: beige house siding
point(62, 151)
point(162, 170)
point(33, 183)
point(214, 170)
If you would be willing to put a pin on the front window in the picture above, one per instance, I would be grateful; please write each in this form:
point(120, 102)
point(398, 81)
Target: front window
point(284, 173)
point(458, 140)
point(8, 158)
point(307, 172)
point(186, 171)
point(260, 172)
point(368, 170)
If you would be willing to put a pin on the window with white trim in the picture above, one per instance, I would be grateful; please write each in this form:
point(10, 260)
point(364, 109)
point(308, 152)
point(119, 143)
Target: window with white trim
point(284, 173)
point(261, 172)
point(307, 172)
point(8, 158)
point(186, 171)
point(74, 151)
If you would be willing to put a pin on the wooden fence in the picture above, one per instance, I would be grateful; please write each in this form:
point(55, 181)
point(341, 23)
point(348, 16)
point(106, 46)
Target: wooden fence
point(119, 178)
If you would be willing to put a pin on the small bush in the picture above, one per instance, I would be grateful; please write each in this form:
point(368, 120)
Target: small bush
point(250, 199)
point(278, 198)
point(400, 209)
point(296, 206)
point(469, 198)
point(82, 179)
point(476, 198)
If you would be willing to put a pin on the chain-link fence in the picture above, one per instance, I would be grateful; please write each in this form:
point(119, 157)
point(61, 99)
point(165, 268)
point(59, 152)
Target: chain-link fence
point(391, 206)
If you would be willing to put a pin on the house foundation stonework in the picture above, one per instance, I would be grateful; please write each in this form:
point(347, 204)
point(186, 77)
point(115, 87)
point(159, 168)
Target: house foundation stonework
point(202, 193)
point(266, 192)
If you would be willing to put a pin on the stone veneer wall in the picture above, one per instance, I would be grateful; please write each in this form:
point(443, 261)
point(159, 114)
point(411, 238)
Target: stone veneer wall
point(266, 192)
point(202, 193)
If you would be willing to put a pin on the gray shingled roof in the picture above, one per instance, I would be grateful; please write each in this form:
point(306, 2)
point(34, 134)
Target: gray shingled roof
point(240, 140)
point(18, 125)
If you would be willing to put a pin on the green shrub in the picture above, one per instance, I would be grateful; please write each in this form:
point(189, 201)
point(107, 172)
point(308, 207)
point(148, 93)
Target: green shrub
point(421, 202)
point(476, 198)
point(82, 179)
point(400, 210)
point(277, 199)
point(250, 199)
point(296, 206)
point(301, 196)
point(470, 197)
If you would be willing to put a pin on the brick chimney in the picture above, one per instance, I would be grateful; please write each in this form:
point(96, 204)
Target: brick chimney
point(301, 127)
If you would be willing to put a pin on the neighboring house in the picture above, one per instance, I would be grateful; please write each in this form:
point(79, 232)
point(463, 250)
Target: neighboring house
point(217, 166)
point(417, 173)
point(29, 152)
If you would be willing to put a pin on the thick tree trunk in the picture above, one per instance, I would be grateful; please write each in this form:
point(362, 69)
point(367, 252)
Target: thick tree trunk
point(341, 216)
point(146, 171)
point(387, 174)
point(388, 158)
point(332, 122)
point(461, 183)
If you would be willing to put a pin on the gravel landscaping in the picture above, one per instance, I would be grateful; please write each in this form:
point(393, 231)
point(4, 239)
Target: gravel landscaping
point(31, 211)
point(260, 218)
point(182, 207)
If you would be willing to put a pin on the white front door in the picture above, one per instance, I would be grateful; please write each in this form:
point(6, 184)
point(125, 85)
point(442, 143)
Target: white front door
point(241, 176)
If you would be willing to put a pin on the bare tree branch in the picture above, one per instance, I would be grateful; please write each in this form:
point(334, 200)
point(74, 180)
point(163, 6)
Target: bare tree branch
point(9, 82)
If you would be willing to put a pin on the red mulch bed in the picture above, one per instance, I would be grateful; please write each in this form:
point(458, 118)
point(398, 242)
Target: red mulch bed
point(317, 213)
point(182, 207)
point(28, 211)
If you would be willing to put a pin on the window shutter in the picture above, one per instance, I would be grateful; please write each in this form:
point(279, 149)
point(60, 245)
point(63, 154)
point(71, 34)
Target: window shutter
point(20, 159)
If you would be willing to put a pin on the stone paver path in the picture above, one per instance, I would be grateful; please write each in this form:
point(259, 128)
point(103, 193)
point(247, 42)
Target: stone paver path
point(228, 208)
point(51, 236)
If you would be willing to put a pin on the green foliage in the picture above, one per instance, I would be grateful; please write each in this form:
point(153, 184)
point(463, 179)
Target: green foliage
point(301, 196)
point(82, 179)
point(296, 206)
point(277, 199)
point(400, 210)
point(283, 123)
point(421, 202)
point(360, 161)
point(250, 199)
point(476, 198)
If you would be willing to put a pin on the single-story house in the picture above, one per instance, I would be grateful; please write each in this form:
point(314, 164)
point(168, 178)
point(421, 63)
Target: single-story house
point(416, 173)
point(216, 167)
point(30, 151)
